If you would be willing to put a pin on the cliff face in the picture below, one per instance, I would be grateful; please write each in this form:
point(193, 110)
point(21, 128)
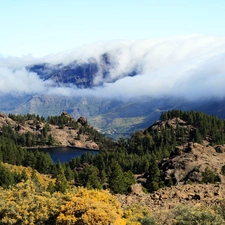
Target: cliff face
point(81, 74)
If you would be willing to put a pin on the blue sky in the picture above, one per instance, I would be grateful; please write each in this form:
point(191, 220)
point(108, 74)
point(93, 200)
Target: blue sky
point(49, 26)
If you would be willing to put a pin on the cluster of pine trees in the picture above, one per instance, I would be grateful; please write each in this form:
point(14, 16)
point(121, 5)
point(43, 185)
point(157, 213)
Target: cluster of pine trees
point(205, 125)
point(28, 139)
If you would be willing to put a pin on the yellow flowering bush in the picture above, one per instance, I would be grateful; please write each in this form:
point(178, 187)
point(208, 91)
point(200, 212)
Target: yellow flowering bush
point(26, 204)
point(22, 204)
point(91, 207)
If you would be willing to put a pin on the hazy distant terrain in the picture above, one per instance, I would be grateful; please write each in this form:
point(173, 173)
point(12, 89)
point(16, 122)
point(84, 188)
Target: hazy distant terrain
point(119, 86)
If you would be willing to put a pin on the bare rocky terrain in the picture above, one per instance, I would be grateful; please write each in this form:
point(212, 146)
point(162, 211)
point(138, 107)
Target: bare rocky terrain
point(169, 197)
point(161, 202)
point(185, 166)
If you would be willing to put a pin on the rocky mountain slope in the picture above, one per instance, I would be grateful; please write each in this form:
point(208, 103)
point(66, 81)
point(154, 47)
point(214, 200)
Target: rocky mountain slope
point(67, 135)
point(188, 163)
point(161, 202)
point(196, 172)
point(191, 161)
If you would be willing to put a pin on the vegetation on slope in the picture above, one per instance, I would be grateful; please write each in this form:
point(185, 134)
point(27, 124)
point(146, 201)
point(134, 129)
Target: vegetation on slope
point(32, 130)
point(113, 168)
point(29, 202)
point(117, 162)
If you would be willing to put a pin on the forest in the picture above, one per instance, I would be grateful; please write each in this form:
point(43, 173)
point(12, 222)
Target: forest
point(117, 161)
point(111, 171)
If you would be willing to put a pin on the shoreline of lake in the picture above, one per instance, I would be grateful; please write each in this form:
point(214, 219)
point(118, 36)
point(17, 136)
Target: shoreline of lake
point(89, 149)
point(61, 146)
point(64, 153)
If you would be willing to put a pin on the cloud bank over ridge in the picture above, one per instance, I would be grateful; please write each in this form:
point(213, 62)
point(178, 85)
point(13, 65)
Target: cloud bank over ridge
point(191, 67)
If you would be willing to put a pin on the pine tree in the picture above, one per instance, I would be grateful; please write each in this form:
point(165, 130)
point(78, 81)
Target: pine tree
point(153, 180)
point(103, 176)
point(89, 177)
point(51, 187)
point(116, 179)
point(129, 179)
point(61, 183)
point(69, 174)
point(50, 140)
point(34, 178)
point(6, 177)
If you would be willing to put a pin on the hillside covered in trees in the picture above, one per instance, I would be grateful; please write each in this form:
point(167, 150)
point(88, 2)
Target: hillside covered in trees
point(31, 130)
point(149, 157)
point(118, 161)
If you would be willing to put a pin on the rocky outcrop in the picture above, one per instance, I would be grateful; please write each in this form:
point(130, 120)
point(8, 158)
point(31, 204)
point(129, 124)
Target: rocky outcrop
point(63, 136)
point(4, 119)
point(159, 125)
point(220, 148)
point(188, 162)
point(82, 120)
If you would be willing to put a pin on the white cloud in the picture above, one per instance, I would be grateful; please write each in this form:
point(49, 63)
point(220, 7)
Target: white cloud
point(21, 81)
point(189, 66)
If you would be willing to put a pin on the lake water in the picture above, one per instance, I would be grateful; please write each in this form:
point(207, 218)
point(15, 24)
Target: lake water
point(64, 154)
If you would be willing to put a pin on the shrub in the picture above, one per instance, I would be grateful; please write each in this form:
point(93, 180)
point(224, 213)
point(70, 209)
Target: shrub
point(90, 207)
point(138, 215)
point(147, 221)
point(220, 208)
point(209, 177)
point(190, 215)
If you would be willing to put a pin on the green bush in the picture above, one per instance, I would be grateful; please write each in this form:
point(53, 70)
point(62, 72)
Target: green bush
point(220, 208)
point(190, 215)
point(147, 221)
point(209, 177)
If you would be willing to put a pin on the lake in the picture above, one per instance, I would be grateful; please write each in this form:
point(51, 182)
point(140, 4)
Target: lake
point(64, 154)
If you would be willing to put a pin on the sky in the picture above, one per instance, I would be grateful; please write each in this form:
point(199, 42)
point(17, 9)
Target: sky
point(43, 27)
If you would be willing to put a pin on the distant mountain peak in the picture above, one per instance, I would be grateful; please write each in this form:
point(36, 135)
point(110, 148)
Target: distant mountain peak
point(81, 74)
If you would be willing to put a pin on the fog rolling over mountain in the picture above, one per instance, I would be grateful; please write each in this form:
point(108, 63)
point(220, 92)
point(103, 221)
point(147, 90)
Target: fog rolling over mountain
point(120, 86)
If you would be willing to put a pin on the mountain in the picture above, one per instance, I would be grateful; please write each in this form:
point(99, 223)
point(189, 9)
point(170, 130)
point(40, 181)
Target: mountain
point(119, 86)
point(80, 74)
